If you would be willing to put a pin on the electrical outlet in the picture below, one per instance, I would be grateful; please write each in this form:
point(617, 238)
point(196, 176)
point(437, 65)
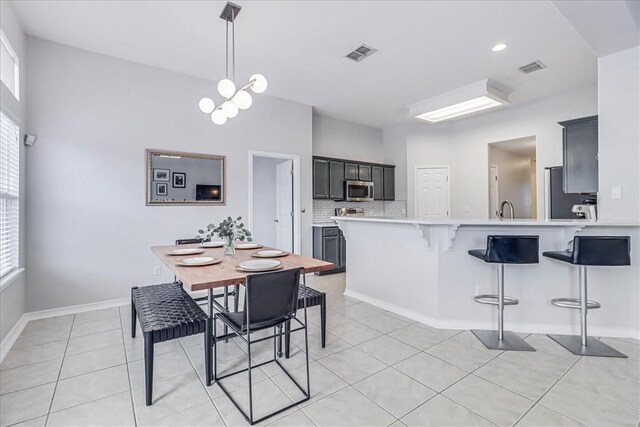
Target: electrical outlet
point(156, 270)
point(466, 208)
point(479, 290)
point(403, 211)
point(616, 193)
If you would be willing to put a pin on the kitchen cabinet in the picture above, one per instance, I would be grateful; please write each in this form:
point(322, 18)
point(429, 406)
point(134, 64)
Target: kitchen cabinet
point(351, 171)
point(336, 180)
point(580, 155)
point(377, 176)
point(329, 245)
point(389, 190)
point(364, 172)
point(320, 179)
point(329, 175)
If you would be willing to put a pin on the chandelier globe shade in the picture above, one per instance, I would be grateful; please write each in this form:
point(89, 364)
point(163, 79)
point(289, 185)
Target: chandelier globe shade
point(207, 105)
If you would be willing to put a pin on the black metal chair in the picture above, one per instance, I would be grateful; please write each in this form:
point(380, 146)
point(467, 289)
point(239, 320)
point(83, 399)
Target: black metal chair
point(166, 312)
point(589, 251)
point(271, 301)
point(503, 250)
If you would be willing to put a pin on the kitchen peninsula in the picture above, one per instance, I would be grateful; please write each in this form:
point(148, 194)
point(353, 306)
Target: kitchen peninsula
point(421, 270)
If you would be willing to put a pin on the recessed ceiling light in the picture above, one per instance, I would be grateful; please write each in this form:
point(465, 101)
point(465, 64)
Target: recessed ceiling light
point(499, 47)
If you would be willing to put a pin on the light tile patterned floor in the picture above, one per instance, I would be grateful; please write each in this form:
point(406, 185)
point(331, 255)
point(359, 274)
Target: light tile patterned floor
point(378, 369)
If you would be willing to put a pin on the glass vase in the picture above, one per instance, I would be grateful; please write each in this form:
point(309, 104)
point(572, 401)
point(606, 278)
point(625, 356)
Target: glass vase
point(229, 249)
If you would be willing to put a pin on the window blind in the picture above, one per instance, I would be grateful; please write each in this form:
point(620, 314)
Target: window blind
point(9, 195)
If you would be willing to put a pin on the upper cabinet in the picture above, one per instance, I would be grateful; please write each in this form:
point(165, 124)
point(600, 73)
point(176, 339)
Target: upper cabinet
point(329, 176)
point(580, 155)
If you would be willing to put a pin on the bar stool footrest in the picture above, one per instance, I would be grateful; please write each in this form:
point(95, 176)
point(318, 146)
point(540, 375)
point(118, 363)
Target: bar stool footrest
point(492, 299)
point(594, 347)
point(574, 303)
point(510, 341)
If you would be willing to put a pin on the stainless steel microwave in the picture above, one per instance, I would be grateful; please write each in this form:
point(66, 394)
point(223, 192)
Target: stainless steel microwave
point(358, 191)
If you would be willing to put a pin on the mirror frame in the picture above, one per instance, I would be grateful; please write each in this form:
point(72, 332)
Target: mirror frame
point(150, 152)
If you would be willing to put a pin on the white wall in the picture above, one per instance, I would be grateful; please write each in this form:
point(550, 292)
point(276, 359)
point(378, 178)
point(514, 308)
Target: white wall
point(394, 145)
point(89, 228)
point(346, 140)
point(12, 296)
point(462, 144)
point(264, 200)
point(514, 180)
point(619, 134)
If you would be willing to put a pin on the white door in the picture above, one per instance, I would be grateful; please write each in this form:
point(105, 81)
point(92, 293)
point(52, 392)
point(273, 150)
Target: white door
point(432, 192)
point(494, 199)
point(284, 205)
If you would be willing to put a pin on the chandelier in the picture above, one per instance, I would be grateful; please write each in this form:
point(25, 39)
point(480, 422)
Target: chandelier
point(234, 99)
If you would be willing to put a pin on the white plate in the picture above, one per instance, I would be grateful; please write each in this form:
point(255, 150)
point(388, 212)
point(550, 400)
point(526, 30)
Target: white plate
point(197, 261)
point(212, 244)
point(247, 245)
point(186, 251)
point(269, 253)
point(259, 265)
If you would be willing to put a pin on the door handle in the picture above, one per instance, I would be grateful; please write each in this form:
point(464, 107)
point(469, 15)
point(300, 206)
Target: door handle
point(275, 220)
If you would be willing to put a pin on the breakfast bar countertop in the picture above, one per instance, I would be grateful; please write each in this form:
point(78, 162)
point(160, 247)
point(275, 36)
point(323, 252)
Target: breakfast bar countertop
point(494, 222)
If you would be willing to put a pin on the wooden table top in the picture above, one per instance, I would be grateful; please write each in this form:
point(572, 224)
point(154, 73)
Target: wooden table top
point(225, 273)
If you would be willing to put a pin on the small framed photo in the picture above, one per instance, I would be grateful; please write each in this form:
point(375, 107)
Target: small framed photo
point(162, 189)
point(161, 175)
point(179, 179)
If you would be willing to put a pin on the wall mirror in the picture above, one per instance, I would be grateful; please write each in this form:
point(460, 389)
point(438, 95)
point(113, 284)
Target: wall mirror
point(178, 178)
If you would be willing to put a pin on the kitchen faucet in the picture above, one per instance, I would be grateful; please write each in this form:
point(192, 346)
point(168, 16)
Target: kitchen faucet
point(501, 211)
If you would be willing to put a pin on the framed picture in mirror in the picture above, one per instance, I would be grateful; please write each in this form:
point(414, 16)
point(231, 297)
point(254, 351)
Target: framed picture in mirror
point(181, 178)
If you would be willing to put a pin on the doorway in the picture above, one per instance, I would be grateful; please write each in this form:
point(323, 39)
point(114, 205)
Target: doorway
point(274, 200)
point(432, 192)
point(512, 177)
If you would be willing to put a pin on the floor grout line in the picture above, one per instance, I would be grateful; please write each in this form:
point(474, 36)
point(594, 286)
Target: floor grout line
point(126, 360)
point(545, 393)
point(55, 388)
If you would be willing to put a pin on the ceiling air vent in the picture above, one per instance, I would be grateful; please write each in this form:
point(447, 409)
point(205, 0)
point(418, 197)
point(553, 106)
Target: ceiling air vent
point(362, 52)
point(534, 66)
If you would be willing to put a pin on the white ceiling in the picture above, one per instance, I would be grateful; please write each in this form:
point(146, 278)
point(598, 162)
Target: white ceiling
point(525, 147)
point(425, 47)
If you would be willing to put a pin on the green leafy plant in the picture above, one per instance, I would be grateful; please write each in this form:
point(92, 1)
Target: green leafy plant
point(229, 229)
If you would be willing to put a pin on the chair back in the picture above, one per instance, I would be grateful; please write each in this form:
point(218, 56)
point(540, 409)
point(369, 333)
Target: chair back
point(188, 241)
point(271, 296)
point(601, 250)
point(512, 249)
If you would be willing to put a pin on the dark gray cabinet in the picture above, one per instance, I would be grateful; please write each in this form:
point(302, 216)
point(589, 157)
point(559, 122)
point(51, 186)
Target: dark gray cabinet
point(377, 176)
point(329, 245)
point(389, 191)
point(580, 155)
point(329, 176)
point(320, 179)
point(336, 180)
point(364, 172)
point(351, 171)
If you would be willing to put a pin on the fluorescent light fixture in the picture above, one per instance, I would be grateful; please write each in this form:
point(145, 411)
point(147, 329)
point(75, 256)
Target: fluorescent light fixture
point(499, 47)
point(479, 96)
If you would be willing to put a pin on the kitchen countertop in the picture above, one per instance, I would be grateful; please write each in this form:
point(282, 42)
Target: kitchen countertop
point(492, 222)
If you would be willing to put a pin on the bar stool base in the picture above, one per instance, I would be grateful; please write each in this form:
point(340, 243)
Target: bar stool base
point(510, 342)
point(594, 347)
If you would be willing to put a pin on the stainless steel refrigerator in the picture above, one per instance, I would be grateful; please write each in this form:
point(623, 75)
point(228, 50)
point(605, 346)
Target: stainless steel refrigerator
point(558, 204)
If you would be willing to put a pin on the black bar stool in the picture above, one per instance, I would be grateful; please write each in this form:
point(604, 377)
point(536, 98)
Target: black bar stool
point(589, 251)
point(503, 250)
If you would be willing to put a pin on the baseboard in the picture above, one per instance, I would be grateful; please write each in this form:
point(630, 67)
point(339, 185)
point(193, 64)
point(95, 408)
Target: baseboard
point(17, 329)
point(74, 309)
point(532, 328)
point(12, 336)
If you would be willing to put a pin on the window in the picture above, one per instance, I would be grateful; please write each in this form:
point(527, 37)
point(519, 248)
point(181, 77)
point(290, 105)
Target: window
point(9, 66)
point(9, 195)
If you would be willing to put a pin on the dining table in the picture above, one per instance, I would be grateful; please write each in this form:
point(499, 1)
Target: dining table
point(226, 273)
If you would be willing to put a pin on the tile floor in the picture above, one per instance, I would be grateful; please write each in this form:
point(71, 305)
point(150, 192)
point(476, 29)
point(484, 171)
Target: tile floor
point(377, 369)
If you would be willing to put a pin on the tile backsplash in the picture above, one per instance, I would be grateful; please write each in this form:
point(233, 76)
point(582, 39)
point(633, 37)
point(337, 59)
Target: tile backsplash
point(324, 209)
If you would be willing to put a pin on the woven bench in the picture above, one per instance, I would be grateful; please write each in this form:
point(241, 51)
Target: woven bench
point(167, 312)
point(314, 297)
